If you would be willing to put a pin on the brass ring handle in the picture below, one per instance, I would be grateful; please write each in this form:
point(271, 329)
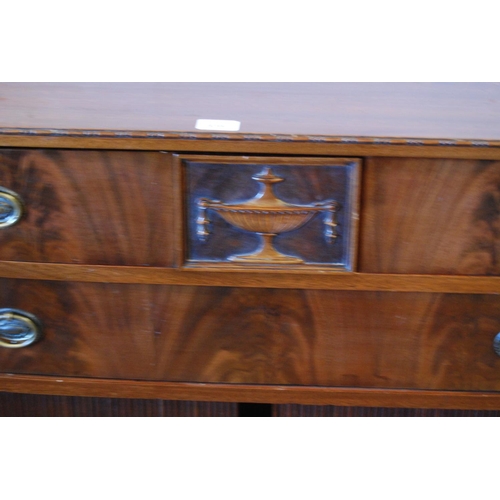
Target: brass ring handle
point(496, 344)
point(11, 207)
point(18, 328)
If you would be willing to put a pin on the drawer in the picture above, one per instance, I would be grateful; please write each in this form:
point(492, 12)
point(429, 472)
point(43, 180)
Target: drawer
point(430, 216)
point(258, 336)
point(88, 207)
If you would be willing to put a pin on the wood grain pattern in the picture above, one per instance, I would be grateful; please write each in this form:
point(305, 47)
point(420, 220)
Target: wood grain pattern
point(435, 110)
point(354, 411)
point(261, 336)
point(89, 207)
point(265, 337)
point(29, 405)
point(431, 216)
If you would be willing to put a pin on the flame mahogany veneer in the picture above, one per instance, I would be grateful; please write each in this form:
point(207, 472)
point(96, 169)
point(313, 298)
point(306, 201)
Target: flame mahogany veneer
point(390, 296)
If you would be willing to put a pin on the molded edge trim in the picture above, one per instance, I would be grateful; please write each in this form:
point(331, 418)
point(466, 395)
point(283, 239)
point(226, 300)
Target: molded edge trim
point(220, 277)
point(249, 143)
point(307, 395)
point(195, 136)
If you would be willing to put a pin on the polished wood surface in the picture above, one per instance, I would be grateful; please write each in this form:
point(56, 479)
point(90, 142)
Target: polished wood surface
point(29, 405)
point(430, 216)
point(89, 207)
point(258, 336)
point(434, 110)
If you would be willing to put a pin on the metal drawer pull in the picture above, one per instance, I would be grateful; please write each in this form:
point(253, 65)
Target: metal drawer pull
point(11, 207)
point(496, 344)
point(18, 328)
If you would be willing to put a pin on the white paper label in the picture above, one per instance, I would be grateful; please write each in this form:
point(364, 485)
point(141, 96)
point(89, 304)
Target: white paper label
point(221, 125)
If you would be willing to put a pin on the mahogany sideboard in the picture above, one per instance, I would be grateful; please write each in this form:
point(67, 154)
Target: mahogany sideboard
point(338, 246)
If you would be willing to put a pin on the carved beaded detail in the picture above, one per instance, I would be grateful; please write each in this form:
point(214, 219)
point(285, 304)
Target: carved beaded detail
point(126, 134)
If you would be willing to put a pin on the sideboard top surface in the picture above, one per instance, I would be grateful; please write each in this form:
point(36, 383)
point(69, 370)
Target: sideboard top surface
point(400, 110)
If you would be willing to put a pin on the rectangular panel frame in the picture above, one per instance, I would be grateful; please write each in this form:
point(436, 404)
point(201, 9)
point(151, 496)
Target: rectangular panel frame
point(353, 195)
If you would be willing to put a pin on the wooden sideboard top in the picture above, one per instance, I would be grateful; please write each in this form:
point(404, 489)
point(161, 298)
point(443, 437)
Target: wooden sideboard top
point(399, 110)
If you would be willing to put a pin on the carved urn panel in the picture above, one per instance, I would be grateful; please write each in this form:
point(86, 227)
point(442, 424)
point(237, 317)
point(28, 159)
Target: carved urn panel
point(278, 213)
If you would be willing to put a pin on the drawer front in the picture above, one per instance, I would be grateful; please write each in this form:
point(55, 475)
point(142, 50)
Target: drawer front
point(261, 336)
point(431, 216)
point(89, 207)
